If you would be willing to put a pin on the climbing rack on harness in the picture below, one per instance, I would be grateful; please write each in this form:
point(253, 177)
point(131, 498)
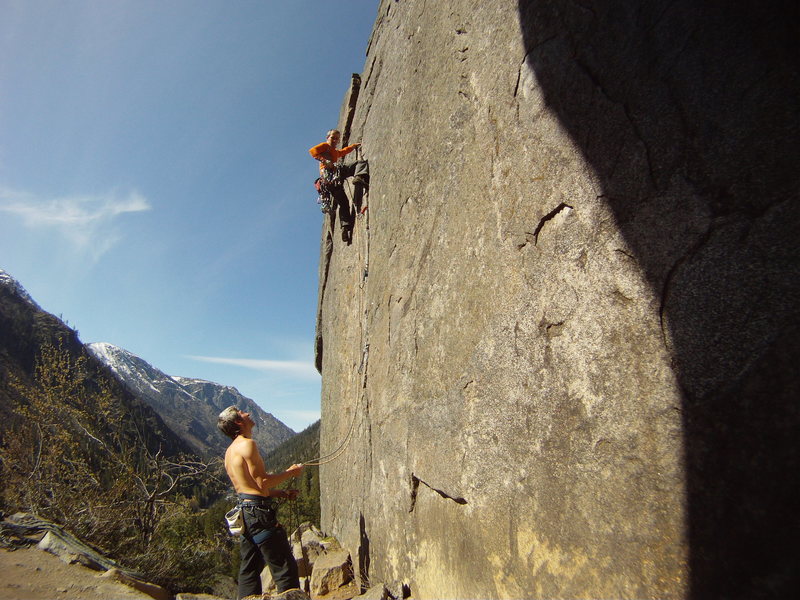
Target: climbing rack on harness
point(323, 196)
point(324, 185)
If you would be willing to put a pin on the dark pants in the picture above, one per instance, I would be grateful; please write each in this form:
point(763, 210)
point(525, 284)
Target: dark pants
point(264, 543)
point(341, 204)
point(360, 168)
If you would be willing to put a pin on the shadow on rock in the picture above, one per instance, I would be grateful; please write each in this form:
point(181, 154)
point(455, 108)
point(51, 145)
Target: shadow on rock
point(687, 112)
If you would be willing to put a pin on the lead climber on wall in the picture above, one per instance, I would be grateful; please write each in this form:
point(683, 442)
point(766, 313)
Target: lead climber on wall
point(333, 174)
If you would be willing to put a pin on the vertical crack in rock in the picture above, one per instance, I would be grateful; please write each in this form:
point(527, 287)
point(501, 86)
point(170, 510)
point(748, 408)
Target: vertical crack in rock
point(528, 52)
point(519, 78)
point(415, 481)
point(416, 330)
point(376, 29)
point(363, 366)
point(355, 87)
point(549, 216)
point(389, 322)
point(326, 263)
point(372, 84)
point(367, 420)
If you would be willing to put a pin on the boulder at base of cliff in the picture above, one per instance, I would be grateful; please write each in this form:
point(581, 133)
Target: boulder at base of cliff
point(333, 571)
point(150, 589)
point(308, 543)
point(376, 592)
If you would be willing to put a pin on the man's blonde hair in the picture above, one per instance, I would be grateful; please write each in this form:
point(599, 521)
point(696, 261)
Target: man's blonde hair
point(227, 422)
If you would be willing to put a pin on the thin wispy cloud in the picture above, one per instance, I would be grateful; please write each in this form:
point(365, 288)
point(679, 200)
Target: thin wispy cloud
point(291, 368)
point(88, 222)
point(304, 416)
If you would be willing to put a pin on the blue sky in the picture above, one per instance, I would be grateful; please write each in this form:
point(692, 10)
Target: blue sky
point(155, 182)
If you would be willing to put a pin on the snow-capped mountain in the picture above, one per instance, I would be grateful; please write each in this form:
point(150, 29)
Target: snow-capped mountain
point(189, 406)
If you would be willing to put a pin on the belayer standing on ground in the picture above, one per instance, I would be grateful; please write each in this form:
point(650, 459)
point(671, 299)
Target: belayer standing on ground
point(264, 541)
point(333, 174)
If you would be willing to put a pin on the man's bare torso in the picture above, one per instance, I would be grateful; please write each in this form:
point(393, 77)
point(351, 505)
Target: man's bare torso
point(238, 469)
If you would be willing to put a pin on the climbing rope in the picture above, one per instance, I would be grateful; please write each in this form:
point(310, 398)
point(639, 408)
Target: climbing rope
point(339, 451)
point(365, 273)
point(362, 369)
point(293, 512)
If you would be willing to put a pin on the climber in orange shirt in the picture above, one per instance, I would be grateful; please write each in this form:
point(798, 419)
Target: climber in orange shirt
point(333, 173)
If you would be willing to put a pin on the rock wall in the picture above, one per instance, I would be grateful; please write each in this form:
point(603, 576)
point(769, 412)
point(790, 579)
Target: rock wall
point(565, 339)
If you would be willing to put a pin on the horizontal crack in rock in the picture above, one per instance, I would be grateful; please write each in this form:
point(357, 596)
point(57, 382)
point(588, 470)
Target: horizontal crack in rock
point(415, 481)
point(547, 218)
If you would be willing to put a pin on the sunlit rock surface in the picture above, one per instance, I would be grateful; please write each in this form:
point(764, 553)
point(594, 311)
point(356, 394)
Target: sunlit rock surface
point(566, 345)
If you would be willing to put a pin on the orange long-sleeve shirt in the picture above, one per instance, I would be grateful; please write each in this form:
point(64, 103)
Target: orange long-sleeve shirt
point(323, 152)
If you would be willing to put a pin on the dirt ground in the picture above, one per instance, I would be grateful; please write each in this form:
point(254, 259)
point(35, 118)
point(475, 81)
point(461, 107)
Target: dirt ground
point(32, 574)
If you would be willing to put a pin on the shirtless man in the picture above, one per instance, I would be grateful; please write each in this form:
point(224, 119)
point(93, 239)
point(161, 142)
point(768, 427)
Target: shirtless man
point(264, 541)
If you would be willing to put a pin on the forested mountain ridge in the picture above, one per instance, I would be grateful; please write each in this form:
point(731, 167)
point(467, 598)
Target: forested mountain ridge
point(25, 329)
point(303, 447)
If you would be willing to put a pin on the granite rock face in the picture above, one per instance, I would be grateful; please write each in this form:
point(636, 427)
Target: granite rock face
point(565, 337)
